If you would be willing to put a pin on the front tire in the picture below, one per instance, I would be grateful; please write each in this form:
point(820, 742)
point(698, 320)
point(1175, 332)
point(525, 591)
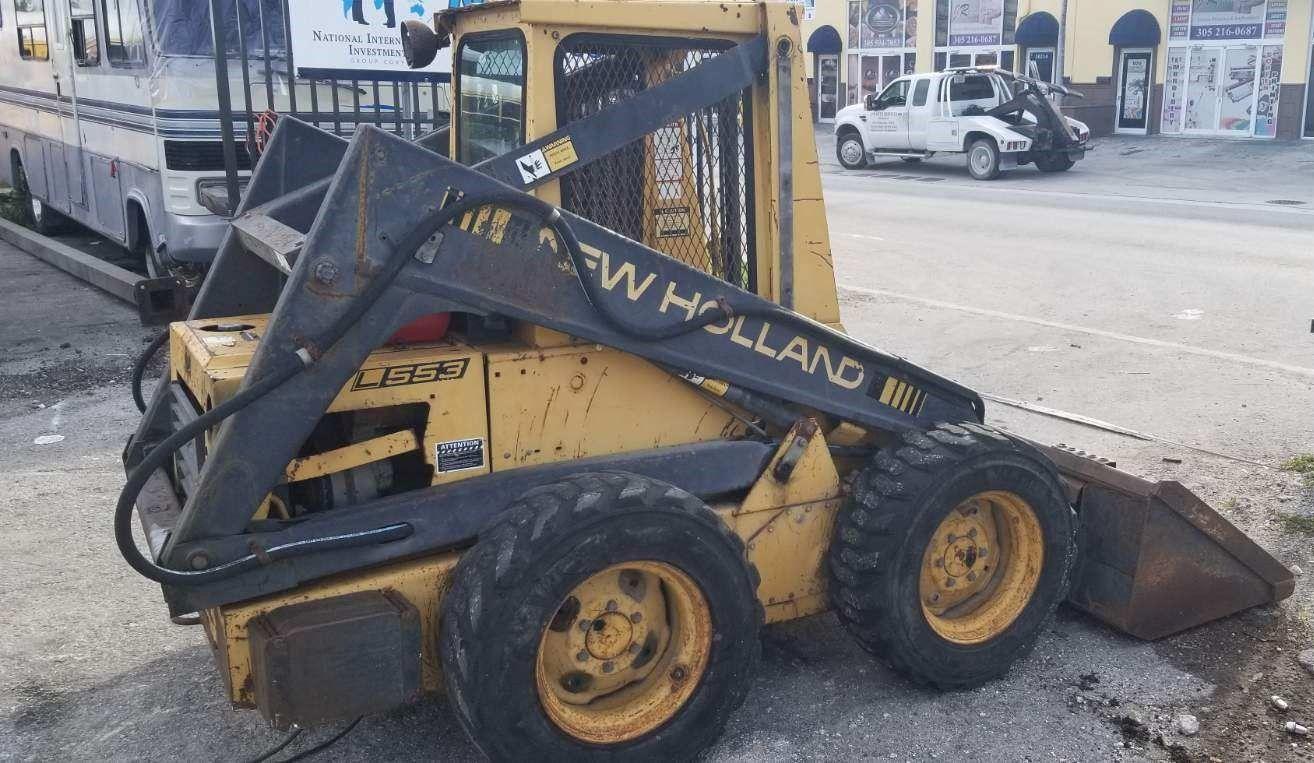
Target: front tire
point(952, 552)
point(983, 159)
point(1054, 162)
point(849, 150)
point(604, 616)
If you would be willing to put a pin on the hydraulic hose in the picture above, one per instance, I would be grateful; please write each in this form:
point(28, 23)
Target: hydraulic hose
point(297, 362)
point(139, 368)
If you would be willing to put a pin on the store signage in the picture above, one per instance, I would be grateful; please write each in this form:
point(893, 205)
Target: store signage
point(976, 22)
point(358, 35)
point(1227, 19)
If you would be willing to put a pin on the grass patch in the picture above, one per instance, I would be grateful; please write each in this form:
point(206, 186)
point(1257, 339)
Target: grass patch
point(1302, 465)
point(1297, 523)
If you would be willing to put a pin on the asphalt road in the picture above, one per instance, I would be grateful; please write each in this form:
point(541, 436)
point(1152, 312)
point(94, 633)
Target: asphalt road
point(1153, 305)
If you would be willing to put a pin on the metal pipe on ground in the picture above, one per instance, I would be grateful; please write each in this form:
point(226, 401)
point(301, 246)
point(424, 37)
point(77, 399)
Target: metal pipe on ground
point(158, 300)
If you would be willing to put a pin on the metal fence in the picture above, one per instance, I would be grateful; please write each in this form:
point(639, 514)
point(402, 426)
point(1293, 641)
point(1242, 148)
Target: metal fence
point(250, 43)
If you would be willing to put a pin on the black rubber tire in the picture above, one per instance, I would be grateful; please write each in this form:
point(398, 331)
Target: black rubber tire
point(508, 587)
point(883, 529)
point(1054, 162)
point(990, 170)
point(49, 221)
point(850, 136)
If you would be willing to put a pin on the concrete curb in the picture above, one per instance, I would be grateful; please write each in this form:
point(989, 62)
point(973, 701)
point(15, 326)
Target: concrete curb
point(104, 276)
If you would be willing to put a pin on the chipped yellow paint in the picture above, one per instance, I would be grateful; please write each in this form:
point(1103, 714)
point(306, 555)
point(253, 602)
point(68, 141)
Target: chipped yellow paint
point(423, 582)
point(351, 456)
point(787, 527)
point(586, 400)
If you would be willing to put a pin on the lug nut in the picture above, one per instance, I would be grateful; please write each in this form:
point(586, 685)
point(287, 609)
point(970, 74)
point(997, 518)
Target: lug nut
point(636, 617)
point(607, 667)
point(971, 533)
point(971, 576)
point(677, 673)
point(583, 656)
point(585, 624)
point(949, 583)
point(612, 606)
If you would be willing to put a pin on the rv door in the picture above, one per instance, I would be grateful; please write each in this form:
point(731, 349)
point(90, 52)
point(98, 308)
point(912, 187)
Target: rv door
point(67, 56)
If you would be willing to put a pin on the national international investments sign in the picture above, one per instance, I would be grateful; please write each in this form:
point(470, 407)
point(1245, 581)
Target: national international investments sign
point(331, 36)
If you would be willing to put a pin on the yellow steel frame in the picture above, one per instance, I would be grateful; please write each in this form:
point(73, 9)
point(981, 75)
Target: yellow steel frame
point(545, 397)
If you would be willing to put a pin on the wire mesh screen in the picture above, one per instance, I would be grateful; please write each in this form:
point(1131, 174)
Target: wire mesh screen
point(686, 189)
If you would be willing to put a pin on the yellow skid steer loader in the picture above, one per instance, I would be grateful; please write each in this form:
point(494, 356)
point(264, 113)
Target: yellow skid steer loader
point(553, 410)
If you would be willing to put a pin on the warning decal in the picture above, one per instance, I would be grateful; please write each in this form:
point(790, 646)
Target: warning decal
point(532, 166)
point(457, 455)
point(672, 222)
point(560, 153)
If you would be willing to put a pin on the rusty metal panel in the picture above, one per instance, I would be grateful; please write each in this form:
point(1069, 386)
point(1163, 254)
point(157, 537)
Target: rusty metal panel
point(335, 659)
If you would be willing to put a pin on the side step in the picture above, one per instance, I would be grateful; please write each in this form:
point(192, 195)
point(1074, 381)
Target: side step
point(1155, 559)
point(903, 154)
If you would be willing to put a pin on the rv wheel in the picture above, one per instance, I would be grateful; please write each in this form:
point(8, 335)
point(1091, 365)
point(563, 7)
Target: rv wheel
point(953, 550)
point(40, 216)
point(606, 616)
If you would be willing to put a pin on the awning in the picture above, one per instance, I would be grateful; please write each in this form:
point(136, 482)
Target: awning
point(1138, 28)
point(825, 40)
point(1038, 30)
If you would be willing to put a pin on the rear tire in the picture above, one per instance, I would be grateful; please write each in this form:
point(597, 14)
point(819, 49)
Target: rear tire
point(960, 502)
point(1054, 162)
point(529, 672)
point(40, 216)
point(850, 151)
point(983, 159)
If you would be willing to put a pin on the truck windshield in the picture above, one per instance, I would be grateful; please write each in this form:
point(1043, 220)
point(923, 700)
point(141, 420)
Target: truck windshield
point(182, 27)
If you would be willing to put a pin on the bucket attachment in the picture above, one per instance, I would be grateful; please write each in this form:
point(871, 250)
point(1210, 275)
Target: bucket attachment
point(1155, 559)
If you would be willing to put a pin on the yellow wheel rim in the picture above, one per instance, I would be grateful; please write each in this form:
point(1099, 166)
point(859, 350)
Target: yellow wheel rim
point(981, 567)
point(624, 652)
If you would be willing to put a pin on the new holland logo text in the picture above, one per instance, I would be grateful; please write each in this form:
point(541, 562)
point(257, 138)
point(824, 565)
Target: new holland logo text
point(812, 356)
point(411, 373)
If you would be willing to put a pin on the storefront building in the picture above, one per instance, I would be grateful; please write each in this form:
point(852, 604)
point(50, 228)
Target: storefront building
point(1222, 68)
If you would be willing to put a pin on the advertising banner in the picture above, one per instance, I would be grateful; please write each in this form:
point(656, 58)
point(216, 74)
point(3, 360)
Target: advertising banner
point(976, 22)
point(1275, 19)
point(1227, 19)
point(358, 36)
point(1174, 88)
point(882, 24)
point(1179, 20)
point(1266, 105)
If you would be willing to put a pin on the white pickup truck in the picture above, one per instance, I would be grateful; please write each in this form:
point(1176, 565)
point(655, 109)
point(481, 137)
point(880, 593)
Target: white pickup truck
point(1001, 120)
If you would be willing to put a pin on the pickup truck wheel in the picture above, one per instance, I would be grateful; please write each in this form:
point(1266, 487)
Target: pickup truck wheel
point(850, 151)
point(983, 159)
point(603, 617)
point(1054, 162)
point(951, 553)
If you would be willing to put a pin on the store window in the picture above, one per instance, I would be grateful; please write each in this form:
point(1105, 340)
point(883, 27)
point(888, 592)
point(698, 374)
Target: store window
point(882, 40)
point(975, 33)
point(86, 38)
point(1224, 67)
point(124, 42)
point(30, 20)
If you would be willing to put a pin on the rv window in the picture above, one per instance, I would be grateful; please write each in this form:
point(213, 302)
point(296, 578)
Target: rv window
point(124, 44)
point(86, 40)
point(490, 80)
point(181, 28)
point(30, 18)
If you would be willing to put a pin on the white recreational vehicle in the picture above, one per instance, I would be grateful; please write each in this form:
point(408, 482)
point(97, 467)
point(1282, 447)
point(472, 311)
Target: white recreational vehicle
point(109, 115)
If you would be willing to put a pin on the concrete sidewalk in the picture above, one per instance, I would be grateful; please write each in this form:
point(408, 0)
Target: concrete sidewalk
point(1212, 170)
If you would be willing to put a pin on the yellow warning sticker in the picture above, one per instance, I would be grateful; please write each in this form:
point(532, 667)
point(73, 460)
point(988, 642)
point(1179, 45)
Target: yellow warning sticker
point(560, 153)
